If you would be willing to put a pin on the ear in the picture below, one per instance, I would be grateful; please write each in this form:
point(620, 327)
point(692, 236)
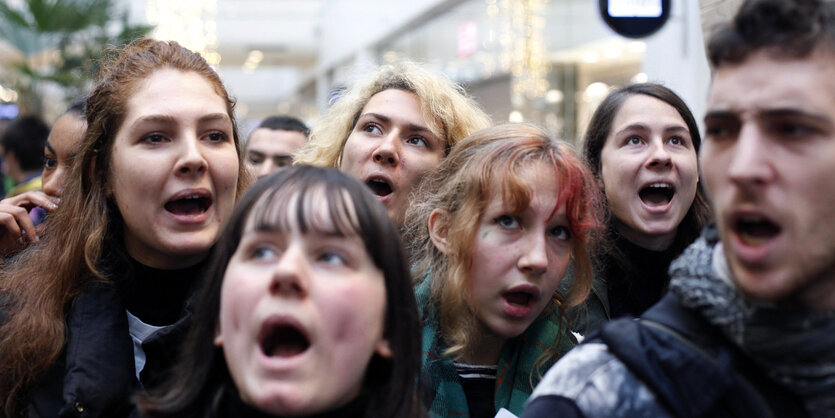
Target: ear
point(383, 349)
point(218, 341)
point(438, 229)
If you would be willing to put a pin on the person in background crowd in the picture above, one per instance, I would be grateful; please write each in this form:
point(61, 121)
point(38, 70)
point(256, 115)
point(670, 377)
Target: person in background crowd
point(98, 308)
point(307, 310)
point(641, 145)
point(22, 146)
point(491, 235)
point(748, 327)
point(271, 146)
point(22, 213)
point(391, 128)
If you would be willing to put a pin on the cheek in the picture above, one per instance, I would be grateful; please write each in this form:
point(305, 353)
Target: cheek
point(355, 316)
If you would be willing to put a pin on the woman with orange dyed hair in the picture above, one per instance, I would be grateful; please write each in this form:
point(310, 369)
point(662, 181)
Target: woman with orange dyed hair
point(491, 234)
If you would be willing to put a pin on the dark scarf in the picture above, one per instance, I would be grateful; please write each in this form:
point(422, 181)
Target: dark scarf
point(796, 348)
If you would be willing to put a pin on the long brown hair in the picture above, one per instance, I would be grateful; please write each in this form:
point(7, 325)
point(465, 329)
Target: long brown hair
point(40, 285)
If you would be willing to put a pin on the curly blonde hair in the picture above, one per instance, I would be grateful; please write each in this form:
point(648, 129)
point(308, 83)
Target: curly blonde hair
point(454, 114)
point(485, 164)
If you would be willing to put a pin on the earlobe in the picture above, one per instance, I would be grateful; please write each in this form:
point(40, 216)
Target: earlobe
point(218, 341)
point(383, 349)
point(438, 229)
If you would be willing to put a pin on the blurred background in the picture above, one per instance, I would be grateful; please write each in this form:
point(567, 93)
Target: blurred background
point(544, 61)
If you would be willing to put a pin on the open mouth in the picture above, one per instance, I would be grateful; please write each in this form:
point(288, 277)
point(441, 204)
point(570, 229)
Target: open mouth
point(189, 205)
point(379, 186)
point(519, 298)
point(657, 194)
point(283, 341)
point(755, 230)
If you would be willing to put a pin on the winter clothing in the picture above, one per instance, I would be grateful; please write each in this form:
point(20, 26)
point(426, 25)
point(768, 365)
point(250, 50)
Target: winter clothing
point(95, 374)
point(704, 350)
point(627, 281)
point(517, 370)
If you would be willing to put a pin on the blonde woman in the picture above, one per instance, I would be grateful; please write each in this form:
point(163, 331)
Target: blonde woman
point(391, 128)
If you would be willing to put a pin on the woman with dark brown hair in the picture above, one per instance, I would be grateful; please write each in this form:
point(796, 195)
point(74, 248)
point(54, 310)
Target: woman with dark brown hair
point(641, 145)
point(98, 308)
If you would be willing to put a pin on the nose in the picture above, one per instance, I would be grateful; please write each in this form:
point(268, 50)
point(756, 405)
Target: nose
point(749, 164)
point(660, 156)
point(191, 161)
point(265, 168)
point(289, 274)
point(54, 185)
point(388, 151)
point(534, 258)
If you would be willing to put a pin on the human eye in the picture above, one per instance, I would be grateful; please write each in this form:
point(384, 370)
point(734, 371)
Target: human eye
point(153, 139)
point(721, 127)
point(677, 140)
point(372, 128)
point(216, 136)
point(419, 141)
point(332, 258)
point(255, 158)
point(263, 252)
point(561, 233)
point(633, 140)
point(507, 221)
point(49, 163)
point(792, 129)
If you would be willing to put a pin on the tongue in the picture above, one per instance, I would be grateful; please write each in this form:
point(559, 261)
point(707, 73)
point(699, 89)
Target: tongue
point(655, 197)
point(185, 207)
point(518, 298)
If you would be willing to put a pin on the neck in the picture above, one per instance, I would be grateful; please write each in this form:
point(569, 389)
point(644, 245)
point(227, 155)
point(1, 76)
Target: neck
point(659, 242)
point(158, 297)
point(484, 347)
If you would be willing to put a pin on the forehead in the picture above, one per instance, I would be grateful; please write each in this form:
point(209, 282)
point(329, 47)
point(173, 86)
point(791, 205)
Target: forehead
point(173, 92)
point(276, 140)
point(67, 132)
point(402, 105)
point(765, 82)
point(640, 108)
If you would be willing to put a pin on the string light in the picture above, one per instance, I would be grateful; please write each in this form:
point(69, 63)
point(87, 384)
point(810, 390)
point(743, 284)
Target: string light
point(192, 23)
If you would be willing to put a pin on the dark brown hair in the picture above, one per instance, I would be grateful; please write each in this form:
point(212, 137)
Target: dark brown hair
point(199, 378)
point(46, 277)
point(601, 126)
point(785, 28)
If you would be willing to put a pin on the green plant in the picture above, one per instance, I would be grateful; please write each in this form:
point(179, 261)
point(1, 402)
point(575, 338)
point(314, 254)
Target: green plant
point(60, 42)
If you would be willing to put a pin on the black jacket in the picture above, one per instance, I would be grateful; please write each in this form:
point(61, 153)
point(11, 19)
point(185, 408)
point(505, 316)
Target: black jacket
point(95, 374)
point(671, 362)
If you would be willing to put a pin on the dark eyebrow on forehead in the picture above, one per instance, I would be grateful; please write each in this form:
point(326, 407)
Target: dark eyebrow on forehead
point(792, 112)
point(719, 114)
point(258, 153)
point(633, 127)
point(154, 118)
point(385, 119)
point(49, 147)
point(215, 116)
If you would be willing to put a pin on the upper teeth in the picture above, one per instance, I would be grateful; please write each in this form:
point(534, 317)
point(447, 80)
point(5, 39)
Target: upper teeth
point(192, 197)
point(659, 185)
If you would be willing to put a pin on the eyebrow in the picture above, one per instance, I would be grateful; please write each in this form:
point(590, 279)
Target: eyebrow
point(643, 127)
point(385, 119)
point(49, 147)
point(771, 113)
point(167, 119)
